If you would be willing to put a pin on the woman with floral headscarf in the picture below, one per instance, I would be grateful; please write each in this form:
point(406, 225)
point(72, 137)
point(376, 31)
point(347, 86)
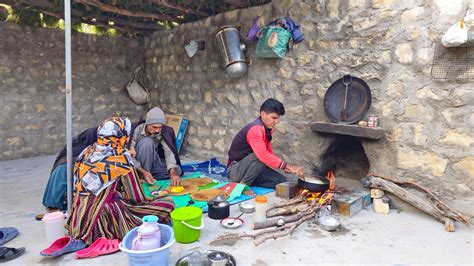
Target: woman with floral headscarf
point(109, 200)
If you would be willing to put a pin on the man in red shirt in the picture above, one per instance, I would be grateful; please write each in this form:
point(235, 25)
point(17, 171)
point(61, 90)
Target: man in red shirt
point(251, 158)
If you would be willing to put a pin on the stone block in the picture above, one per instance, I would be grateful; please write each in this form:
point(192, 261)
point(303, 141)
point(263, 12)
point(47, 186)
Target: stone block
point(425, 161)
point(376, 193)
point(412, 15)
point(427, 93)
point(456, 138)
point(417, 112)
point(207, 144)
point(404, 53)
point(466, 165)
point(333, 7)
point(382, 3)
point(303, 76)
point(208, 97)
point(220, 145)
point(364, 23)
point(380, 206)
point(419, 138)
point(462, 96)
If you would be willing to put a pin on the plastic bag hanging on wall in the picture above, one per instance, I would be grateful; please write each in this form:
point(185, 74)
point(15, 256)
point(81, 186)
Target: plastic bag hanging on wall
point(137, 89)
point(232, 51)
point(194, 46)
point(252, 35)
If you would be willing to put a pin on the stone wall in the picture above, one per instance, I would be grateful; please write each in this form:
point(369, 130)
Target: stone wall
point(32, 76)
point(389, 44)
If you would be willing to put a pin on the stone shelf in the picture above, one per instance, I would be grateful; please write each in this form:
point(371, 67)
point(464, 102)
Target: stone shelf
point(351, 130)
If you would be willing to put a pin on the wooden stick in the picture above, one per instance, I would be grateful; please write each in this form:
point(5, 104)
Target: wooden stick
point(419, 202)
point(262, 235)
point(308, 215)
point(431, 196)
point(288, 210)
point(180, 7)
point(249, 235)
point(126, 12)
point(274, 221)
point(293, 201)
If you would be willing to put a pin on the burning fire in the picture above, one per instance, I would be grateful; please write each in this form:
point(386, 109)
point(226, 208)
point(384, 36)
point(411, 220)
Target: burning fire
point(319, 197)
point(332, 177)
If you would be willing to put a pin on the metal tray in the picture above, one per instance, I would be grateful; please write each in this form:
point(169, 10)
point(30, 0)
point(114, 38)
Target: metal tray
point(183, 261)
point(359, 99)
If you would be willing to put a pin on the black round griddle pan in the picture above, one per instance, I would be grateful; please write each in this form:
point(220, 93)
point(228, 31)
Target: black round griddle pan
point(357, 103)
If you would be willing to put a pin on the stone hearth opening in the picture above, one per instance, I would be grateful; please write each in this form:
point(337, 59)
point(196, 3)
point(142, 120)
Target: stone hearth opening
point(346, 154)
point(347, 147)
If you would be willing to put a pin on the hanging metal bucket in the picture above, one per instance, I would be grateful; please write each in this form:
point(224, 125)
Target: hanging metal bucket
point(232, 51)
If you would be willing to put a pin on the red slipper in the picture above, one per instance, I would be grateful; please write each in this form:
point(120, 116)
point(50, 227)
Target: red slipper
point(102, 246)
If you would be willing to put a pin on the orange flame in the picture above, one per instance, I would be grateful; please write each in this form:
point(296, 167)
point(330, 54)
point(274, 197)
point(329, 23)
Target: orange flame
point(332, 177)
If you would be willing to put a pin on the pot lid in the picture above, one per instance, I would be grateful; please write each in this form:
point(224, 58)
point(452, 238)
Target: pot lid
point(357, 104)
point(218, 256)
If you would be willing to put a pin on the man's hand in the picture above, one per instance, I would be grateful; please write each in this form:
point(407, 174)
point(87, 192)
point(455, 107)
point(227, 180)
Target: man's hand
point(249, 193)
point(147, 176)
point(174, 178)
point(295, 169)
point(132, 152)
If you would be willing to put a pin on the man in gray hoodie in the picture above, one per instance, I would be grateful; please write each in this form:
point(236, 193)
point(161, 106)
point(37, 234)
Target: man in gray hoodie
point(153, 146)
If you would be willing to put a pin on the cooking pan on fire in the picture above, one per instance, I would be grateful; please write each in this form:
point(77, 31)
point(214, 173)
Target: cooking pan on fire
point(314, 184)
point(347, 100)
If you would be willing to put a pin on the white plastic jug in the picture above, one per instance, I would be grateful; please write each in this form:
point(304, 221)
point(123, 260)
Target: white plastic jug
point(149, 235)
point(54, 226)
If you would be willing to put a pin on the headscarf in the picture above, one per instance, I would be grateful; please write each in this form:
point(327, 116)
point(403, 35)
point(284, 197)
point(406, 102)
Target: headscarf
point(103, 162)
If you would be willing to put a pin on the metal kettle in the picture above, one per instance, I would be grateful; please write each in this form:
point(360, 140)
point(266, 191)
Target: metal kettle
point(218, 208)
point(232, 51)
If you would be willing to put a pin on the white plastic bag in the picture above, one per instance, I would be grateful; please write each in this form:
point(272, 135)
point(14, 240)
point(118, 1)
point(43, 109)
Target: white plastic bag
point(456, 35)
point(137, 90)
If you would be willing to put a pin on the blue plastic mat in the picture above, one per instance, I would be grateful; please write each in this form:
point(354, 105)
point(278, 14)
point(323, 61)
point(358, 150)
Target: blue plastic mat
point(211, 168)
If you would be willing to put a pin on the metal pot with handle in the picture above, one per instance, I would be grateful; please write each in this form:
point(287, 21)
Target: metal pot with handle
point(218, 208)
point(314, 184)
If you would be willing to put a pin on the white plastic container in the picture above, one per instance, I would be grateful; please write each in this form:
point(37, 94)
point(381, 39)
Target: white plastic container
point(261, 203)
point(54, 226)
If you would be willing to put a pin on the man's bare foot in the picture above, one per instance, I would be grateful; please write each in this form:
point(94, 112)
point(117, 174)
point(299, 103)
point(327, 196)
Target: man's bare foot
point(249, 193)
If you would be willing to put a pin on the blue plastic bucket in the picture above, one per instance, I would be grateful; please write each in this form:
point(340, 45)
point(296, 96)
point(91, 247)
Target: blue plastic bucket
point(158, 256)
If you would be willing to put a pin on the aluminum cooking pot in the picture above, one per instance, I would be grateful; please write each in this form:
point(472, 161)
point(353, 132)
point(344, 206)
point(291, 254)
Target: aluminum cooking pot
point(218, 208)
point(314, 184)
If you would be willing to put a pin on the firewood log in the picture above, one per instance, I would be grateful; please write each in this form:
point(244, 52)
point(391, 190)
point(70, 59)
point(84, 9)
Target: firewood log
point(429, 204)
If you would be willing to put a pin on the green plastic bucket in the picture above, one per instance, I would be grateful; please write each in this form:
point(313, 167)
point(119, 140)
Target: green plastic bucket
point(187, 224)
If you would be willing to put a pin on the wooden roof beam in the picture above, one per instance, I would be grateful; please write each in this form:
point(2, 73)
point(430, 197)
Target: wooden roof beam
point(95, 23)
point(183, 8)
point(126, 12)
point(85, 19)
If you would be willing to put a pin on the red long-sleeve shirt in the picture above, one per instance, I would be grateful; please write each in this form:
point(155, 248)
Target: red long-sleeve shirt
point(254, 138)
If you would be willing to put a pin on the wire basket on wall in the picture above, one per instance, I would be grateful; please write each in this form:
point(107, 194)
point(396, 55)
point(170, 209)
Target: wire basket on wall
point(454, 63)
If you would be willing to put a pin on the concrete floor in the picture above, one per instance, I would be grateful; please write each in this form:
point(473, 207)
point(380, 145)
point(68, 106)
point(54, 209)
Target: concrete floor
point(398, 238)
